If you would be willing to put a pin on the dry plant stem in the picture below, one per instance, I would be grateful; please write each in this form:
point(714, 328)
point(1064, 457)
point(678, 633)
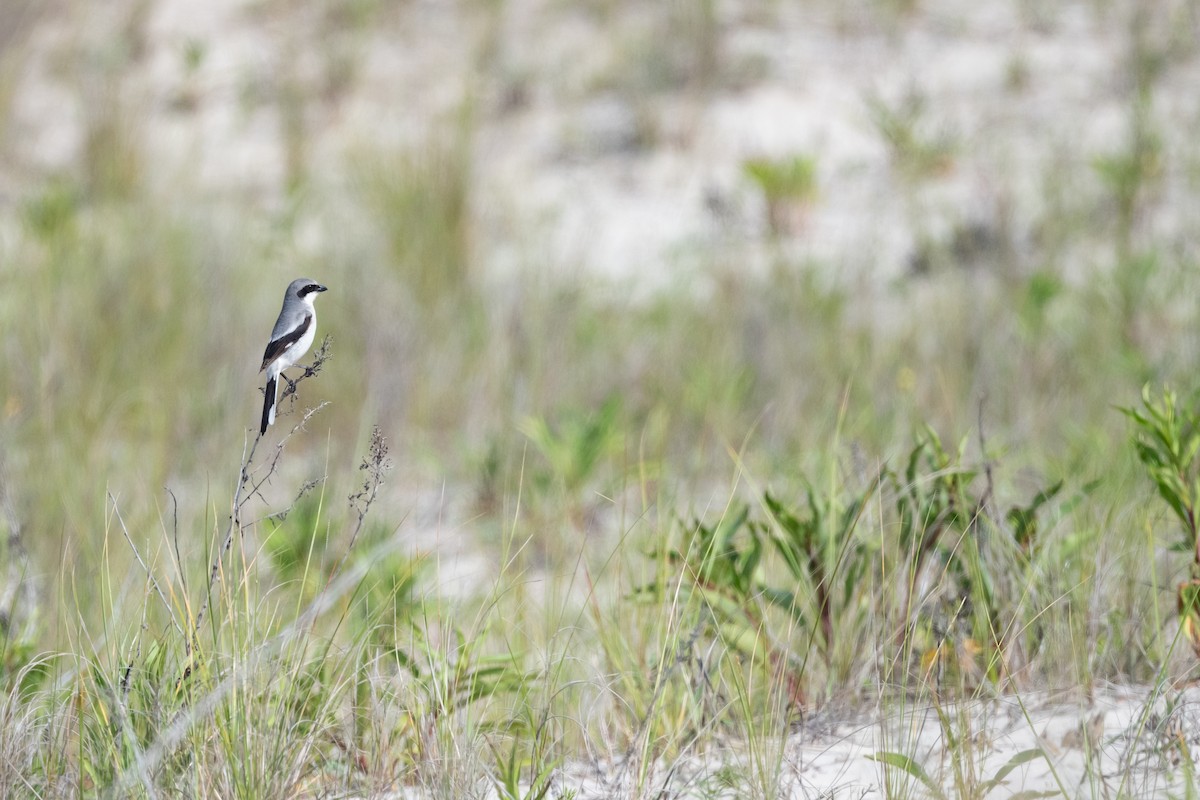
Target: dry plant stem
point(149, 574)
point(234, 524)
point(989, 489)
point(175, 539)
point(282, 513)
point(320, 356)
point(376, 464)
point(248, 486)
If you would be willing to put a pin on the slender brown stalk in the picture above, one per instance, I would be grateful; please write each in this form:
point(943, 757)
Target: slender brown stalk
point(250, 481)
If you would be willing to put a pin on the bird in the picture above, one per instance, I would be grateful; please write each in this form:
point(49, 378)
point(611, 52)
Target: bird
point(290, 339)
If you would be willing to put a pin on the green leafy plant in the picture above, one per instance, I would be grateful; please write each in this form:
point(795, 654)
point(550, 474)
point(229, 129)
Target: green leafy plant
point(1166, 440)
point(723, 563)
point(916, 151)
point(507, 778)
point(575, 447)
point(720, 566)
point(944, 508)
point(935, 506)
point(966, 788)
point(818, 546)
point(1025, 521)
point(788, 185)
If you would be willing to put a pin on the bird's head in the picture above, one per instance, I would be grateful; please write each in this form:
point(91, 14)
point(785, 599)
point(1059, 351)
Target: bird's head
point(305, 289)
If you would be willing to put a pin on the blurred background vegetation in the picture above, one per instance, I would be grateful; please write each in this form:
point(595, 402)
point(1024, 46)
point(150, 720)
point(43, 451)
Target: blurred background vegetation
point(1017, 259)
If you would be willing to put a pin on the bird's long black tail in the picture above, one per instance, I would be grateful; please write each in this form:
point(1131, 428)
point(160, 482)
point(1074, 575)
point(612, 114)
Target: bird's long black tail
point(268, 405)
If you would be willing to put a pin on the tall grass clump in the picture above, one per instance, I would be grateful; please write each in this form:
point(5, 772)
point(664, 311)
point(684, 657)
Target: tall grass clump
point(420, 200)
point(302, 663)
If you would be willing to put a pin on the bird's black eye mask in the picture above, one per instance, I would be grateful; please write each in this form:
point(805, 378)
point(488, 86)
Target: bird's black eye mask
point(312, 287)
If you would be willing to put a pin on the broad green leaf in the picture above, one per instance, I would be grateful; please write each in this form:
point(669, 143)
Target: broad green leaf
point(907, 765)
point(1023, 757)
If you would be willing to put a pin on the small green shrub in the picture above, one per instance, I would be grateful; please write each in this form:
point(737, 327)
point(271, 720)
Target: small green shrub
point(1166, 439)
point(788, 185)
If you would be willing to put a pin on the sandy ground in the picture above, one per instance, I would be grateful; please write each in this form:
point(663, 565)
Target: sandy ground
point(1124, 742)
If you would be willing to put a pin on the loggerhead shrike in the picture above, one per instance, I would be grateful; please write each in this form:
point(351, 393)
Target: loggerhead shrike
point(291, 338)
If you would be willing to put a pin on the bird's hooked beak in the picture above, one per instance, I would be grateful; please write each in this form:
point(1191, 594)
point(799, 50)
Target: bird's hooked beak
point(321, 288)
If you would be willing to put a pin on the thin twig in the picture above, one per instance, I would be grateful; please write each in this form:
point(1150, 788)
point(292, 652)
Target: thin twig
point(149, 575)
point(128, 671)
point(376, 465)
point(282, 514)
point(320, 356)
point(245, 490)
point(248, 487)
point(175, 539)
point(987, 462)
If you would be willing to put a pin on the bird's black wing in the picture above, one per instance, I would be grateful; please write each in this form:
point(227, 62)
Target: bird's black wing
point(277, 346)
